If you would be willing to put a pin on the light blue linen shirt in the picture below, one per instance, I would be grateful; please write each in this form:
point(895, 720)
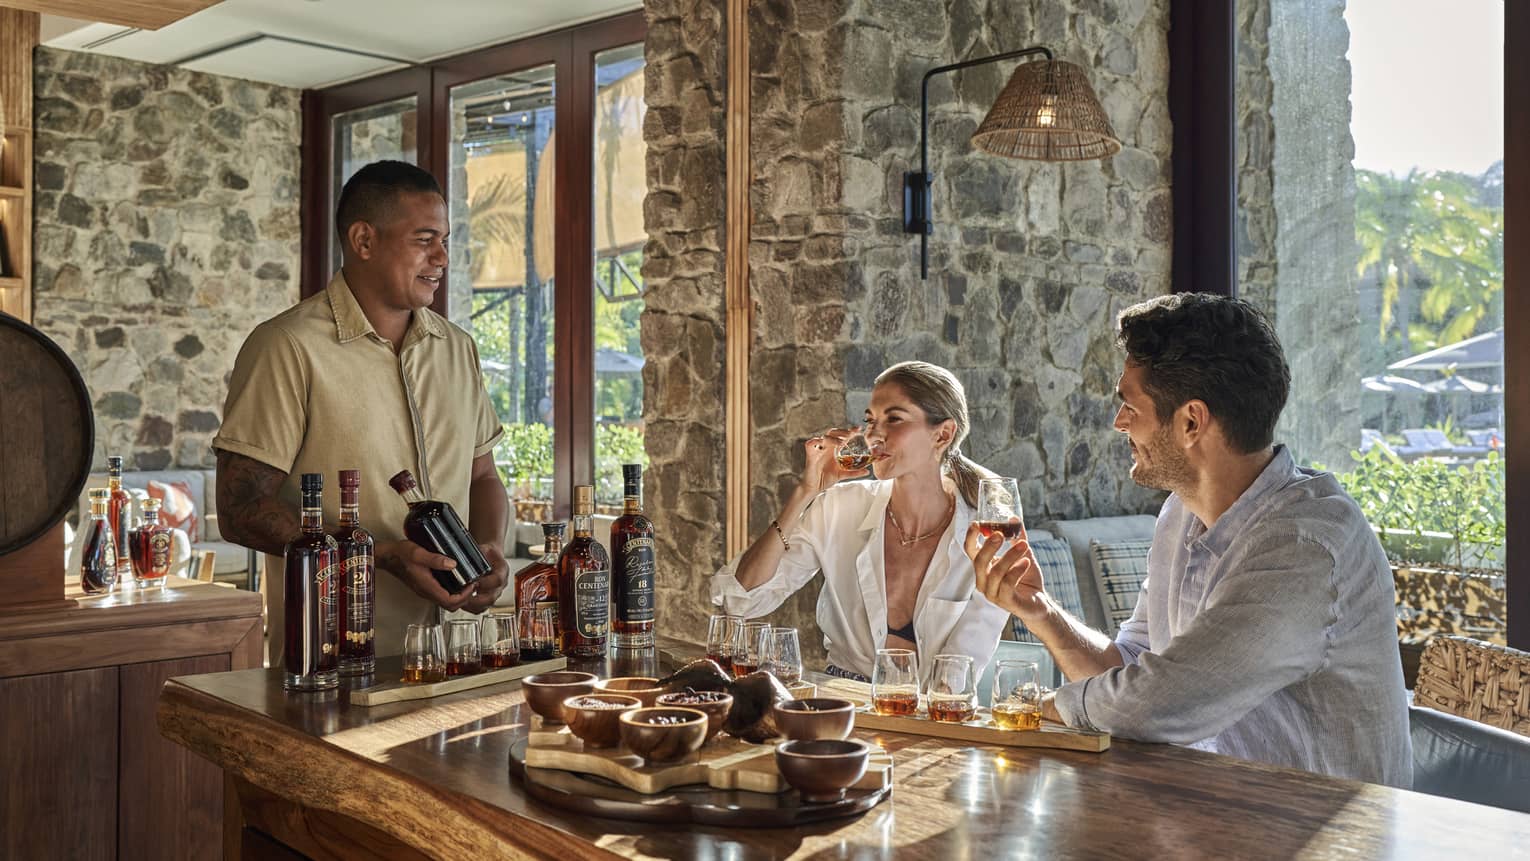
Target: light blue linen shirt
point(1271, 636)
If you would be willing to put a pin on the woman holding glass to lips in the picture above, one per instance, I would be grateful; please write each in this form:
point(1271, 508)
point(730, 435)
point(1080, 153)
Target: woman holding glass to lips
point(895, 573)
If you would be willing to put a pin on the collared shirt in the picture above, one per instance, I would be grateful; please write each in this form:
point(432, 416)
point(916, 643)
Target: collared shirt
point(841, 534)
point(316, 389)
point(1271, 636)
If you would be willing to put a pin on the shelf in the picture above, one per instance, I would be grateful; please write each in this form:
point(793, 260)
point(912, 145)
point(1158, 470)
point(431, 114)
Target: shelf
point(11, 283)
point(12, 191)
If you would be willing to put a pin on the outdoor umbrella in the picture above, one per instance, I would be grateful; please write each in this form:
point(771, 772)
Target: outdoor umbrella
point(1478, 351)
point(1461, 384)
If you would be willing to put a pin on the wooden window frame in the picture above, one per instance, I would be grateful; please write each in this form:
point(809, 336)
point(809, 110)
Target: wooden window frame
point(573, 51)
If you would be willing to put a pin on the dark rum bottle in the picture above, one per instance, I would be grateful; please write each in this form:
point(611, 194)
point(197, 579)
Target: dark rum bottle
point(312, 652)
point(435, 526)
point(536, 598)
point(98, 562)
point(632, 567)
point(584, 584)
point(358, 651)
point(150, 544)
point(119, 512)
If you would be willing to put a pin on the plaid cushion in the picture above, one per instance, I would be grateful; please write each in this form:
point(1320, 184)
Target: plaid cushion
point(1120, 570)
point(1060, 579)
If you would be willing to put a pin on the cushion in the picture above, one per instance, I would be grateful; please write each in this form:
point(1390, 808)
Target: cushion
point(1460, 758)
point(178, 508)
point(1119, 571)
point(1078, 534)
point(1059, 578)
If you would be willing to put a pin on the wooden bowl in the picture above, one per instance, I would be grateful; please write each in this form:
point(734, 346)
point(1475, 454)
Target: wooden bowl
point(545, 692)
point(818, 717)
point(663, 742)
point(644, 688)
point(715, 704)
point(822, 769)
point(594, 717)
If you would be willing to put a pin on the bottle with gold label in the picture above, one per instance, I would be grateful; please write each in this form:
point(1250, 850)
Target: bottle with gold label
point(312, 654)
point(98, 560)
point(150, 544)
point(584, 584)
point(632, 567)
point(358, 651)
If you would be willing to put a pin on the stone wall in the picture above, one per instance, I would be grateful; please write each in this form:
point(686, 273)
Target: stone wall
point(167, 228)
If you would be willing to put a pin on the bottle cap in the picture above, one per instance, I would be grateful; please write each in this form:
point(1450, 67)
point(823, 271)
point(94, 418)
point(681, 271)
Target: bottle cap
point(100, 493)
point(313, 482)
point(632, 472)
point(114, 464)
point(150, 504)
point(350, 478)
point(403, 481)
point(554, 529)
point(584, 499)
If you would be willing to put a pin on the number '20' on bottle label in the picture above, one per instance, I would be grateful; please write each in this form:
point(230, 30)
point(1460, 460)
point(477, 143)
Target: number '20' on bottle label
point(636, 586)
point(359, 608)
point(592, 596)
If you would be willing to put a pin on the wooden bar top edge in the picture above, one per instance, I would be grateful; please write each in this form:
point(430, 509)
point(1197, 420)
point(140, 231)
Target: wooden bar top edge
point(296, 766)
point(166, 605)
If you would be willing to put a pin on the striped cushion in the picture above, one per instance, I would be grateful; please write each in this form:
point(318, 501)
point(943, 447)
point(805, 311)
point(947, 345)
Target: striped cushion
point(1060, 579)
point(1120, 569)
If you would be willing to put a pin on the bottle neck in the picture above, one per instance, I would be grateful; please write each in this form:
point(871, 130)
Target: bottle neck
point(114, 482)
point(313, 512)
point(413, 496)
point(150, 518)
point(350, 515)
point(583, 525)
point(98, 511)
point(551, 547)
point(632, 503)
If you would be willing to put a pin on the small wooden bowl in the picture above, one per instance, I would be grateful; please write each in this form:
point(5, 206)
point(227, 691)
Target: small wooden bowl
point(595, 717)
point(715, 705)
point(545, 692)
point(814, 718)
point(822, 769)
point(644, 688)
point(663, 742)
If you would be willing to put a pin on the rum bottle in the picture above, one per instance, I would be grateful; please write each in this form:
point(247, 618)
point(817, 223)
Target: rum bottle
point(119, 513)
point(150, 544)
point(584, 584)
point(632, 567)
point(434, 525)
point(312, 653)
point(98, 563)
point(358, 651)
point(536, 598)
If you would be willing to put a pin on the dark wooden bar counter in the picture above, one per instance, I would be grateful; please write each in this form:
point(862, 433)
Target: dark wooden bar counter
point(431, 777)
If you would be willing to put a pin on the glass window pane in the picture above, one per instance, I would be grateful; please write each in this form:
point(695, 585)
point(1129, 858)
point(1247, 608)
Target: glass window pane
point(365, 135)
point(620, 183)
point(1375, 243)
point(500, 202)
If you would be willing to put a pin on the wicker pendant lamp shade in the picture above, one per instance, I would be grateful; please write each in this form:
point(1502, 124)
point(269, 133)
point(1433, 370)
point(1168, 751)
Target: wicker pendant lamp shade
point(1047, 112)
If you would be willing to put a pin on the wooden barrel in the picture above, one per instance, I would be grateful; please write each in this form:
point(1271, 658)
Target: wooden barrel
point(47, 434)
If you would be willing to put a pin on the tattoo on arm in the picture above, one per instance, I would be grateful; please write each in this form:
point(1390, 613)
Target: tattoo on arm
point(249, 512)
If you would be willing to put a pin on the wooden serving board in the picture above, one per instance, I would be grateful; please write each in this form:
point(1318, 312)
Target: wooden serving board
point(398, 691)
point(980, 730)
point(723, 763)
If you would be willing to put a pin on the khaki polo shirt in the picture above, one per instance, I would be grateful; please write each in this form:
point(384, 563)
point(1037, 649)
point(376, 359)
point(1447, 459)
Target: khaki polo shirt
point(316, 389)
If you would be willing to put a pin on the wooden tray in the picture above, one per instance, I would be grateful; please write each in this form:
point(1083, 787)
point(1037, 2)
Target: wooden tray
point(980, 730)
point(398, 691)
point(697, 803)
point(724, 763)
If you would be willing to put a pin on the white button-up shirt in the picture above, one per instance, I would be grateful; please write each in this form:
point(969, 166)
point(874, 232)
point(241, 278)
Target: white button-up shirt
point(841, 535)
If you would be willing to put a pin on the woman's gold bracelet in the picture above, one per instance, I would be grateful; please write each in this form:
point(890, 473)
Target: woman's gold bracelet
point(779, 534)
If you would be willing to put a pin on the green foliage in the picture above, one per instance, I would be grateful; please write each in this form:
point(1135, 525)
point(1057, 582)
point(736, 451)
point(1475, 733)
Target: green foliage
point(525, 459)
point(614, 446)
point(1465, 502)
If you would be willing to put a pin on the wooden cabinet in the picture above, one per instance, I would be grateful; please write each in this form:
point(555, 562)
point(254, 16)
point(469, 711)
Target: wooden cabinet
point(18, 36)
point(84, 771)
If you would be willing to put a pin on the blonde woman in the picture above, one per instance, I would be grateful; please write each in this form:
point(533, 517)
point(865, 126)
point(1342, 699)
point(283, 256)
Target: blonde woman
point(895, 574)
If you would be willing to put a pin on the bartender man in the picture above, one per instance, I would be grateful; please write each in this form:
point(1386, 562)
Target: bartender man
point(365, 376)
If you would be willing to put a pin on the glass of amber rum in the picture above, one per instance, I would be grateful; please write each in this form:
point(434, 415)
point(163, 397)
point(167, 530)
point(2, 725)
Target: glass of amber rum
point(999, 508)
point(1017, 694)
point(746, 648)
point(781, 654)
point(424, 654)
point(952, 693)
point(895, 682)
point(500, 643)
point(464, 656)
point(854, 453)
point(722, 633)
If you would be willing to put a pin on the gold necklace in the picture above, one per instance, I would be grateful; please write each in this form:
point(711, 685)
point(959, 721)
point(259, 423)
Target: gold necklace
point(904, 541)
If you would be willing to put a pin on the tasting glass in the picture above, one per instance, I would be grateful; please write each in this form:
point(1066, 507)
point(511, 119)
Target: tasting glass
point(854, 453)
point(463, 655)
point(722, 633)
point(424, 654)
point(746, 647)
point(781, 654)
point(895, 682)
point(539, 631)
point(499, 639)
point(999, 508)
point(1017, 690)
point(952, 691)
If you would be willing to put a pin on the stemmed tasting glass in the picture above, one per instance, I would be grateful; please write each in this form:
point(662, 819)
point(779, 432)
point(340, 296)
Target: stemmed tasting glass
point(999, 508)
point(952, 693)
point(500, 642)
point(722, 634)
point(781, 654)
point(464, 656)
point(1017, 693)
point(746, 648)
point(895, 682)
point(855, 452)
point(423, 654)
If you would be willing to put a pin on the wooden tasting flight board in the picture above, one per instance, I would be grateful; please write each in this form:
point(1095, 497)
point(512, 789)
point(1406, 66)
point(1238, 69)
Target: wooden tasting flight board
point(723, 763)
point(398, 691)
point(980, 730)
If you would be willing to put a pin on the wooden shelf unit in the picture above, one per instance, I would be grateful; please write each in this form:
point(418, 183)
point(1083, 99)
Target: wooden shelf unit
point(16, 224)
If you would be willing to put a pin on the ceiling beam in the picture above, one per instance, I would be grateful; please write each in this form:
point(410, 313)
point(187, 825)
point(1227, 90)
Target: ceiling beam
point(144, 14)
